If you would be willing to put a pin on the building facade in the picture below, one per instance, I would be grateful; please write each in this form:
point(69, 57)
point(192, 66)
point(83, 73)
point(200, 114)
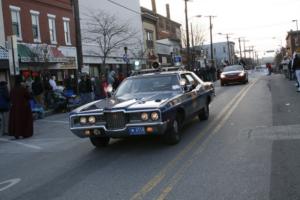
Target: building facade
point(293, 42)
point(150, 21)
point(120, 59)
point(45, 32)
point(4, 66)
point(221, 52)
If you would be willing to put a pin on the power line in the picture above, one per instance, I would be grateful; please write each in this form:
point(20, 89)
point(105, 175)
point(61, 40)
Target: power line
point(122, 6)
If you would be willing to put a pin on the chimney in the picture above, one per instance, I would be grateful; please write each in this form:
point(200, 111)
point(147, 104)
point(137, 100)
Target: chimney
point(168, 10)
point(154, 6)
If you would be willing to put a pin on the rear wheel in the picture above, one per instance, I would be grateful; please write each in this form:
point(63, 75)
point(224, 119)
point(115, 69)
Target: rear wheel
point(100, 141)
point(173, 135)
point(204, 112)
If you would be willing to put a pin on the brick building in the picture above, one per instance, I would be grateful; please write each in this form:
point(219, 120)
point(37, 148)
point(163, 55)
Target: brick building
point(168, 44)
point(45, 32)
point(292, 42)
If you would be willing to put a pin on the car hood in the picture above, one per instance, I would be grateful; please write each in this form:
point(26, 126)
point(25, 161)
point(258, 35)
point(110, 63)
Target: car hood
point(129, 102)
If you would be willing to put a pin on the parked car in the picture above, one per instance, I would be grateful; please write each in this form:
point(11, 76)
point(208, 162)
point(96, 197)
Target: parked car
point(234, 74)
point(156, 103)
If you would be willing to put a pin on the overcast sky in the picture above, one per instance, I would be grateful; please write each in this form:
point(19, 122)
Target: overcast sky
point(264, 23)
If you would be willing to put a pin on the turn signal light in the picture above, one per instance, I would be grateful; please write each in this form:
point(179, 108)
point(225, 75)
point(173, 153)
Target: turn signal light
point(149, 130)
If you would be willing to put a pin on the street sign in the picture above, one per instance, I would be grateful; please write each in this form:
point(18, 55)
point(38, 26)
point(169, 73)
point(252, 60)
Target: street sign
point(125, 58)
point(13, 57)
point(177, 59)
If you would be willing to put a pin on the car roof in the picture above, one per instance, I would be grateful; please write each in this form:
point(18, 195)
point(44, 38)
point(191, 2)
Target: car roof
point(159, 73)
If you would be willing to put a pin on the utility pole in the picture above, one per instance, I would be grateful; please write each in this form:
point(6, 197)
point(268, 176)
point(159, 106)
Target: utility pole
point(78, 35)
point(240, 48)
point(187, 35)
point(211, 39)
point(193, 45)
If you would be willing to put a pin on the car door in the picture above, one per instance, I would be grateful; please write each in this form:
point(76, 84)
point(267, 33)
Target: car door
point(190, 95)
point(198, 99)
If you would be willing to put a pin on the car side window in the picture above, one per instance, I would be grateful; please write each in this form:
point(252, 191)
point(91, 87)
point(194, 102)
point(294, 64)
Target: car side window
point(194, 82)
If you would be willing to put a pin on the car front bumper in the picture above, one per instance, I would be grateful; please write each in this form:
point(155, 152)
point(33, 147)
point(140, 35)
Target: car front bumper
point(158, 128)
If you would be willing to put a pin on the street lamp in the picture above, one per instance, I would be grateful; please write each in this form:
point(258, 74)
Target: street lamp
point(295, 20)
point(228, 45)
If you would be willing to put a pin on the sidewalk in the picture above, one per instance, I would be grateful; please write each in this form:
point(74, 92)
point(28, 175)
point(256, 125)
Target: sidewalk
point(285, 100)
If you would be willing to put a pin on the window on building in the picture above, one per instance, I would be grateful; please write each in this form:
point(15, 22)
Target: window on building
point(67, 31)
point(215, 51)
point(52, 29)
point(35, 26)
point(161, 23)
point(16, 21)
point(168, 26)
point(149, 39)
point(224, 49)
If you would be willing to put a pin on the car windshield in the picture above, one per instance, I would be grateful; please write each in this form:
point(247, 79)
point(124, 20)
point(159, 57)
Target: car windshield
point(233, 68)
point(149, 84)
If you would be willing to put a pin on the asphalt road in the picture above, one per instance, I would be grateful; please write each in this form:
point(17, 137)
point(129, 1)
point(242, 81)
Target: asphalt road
point(248, 149)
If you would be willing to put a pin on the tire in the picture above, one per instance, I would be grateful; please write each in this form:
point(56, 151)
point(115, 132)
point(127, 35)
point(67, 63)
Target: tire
point(173, 135)
point(100, 141)
point(222, 84)
point(204, 113)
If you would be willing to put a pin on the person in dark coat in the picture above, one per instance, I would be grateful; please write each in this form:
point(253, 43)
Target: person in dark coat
point(4, 107)
point(37, 90)
point(20, 118)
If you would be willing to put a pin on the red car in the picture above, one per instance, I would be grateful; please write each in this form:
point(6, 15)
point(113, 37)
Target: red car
point(234, 74)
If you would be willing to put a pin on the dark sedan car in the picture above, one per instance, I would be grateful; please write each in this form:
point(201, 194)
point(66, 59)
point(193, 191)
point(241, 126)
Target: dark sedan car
point(234, 74)
point(157, 103)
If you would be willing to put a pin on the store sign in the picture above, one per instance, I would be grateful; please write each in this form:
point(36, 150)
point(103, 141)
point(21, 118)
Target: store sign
point(13, 57)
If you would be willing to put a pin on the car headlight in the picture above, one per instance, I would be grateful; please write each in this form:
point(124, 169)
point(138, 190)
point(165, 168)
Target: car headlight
point(92, 120)
point(144, 116)
point(242, 74)
point(154, 116)
point(222, 76)
point(83, 120)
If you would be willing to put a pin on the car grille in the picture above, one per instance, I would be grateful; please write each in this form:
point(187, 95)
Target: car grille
point(115, 120)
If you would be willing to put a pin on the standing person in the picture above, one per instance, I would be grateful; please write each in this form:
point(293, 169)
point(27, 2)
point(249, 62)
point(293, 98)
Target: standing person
point(89, 88)
point(296, 68)
point(52, 82)
point(4, 107)
point(269, 67)
point(97, 88)
point(20, 118)
point(103, 87)
point(37, 90)
point(111, 77)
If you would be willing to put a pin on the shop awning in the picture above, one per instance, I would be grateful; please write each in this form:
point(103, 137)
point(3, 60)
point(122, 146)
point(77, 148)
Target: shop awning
point(40, 53)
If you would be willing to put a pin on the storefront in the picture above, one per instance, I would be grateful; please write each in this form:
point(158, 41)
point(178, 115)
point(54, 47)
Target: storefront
point(46, 60)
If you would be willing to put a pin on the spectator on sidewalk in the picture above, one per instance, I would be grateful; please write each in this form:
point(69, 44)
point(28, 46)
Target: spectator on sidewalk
point(4, 107)
point(52, 82)
point(37, 90)
point(296, 69)
point(20, 118)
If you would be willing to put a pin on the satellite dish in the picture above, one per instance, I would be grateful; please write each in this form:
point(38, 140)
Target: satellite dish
point(155, 65)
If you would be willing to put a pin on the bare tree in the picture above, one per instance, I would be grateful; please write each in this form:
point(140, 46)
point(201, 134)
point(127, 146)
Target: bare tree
point(107, 32)
point(138, 51)
point(197, 36)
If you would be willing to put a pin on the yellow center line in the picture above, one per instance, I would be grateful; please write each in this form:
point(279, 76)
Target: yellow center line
point(180, 173)
point(161, 174)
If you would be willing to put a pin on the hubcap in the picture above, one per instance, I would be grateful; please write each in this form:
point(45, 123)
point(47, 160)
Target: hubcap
point(175, 126)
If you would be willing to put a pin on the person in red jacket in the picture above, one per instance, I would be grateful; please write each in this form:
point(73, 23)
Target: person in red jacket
point(269, 66)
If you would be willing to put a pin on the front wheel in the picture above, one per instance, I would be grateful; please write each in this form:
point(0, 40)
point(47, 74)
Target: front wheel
point(204, 113)
point(173, 135)
point(100, 141)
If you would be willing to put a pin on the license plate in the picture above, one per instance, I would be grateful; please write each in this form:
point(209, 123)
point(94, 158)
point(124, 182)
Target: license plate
point(137, 131)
